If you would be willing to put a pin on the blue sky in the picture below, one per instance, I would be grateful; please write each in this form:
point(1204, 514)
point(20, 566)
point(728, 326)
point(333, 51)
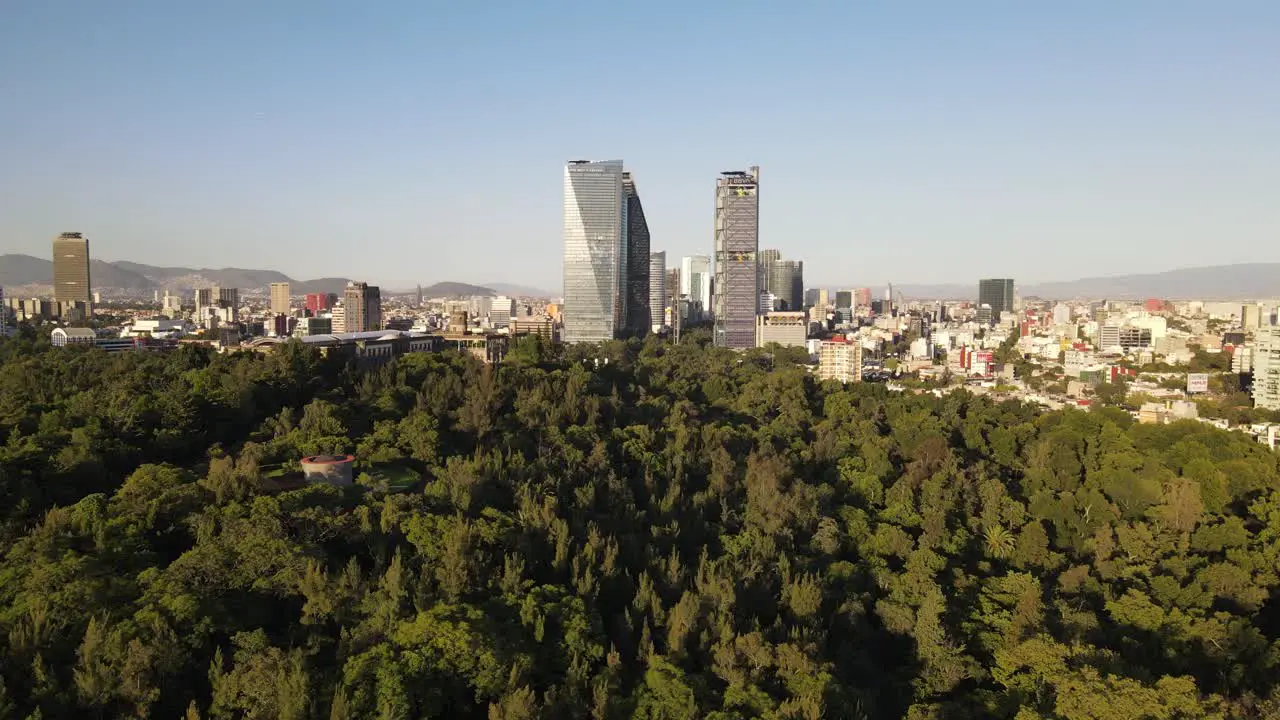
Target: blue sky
point(402, 141)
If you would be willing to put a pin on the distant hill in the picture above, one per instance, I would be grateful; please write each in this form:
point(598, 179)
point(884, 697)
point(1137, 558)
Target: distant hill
point(319, 285)
point(1219, 282)
point(28, 270)
point(450, 289)
point(18, 270)
point(521, 290)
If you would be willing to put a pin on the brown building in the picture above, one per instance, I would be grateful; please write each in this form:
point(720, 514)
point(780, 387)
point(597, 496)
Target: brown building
point(362, 305)
point(280, 298)
point(71, 268)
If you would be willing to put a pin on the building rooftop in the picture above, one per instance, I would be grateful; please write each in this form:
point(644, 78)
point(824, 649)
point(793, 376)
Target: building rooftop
point(77, 332)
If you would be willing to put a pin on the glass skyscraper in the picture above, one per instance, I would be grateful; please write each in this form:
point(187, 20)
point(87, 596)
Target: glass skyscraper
point(998, 293)
point(695, 282)
point(638, 272)
point(737, 227)
point(657, 290)
point(595, 251)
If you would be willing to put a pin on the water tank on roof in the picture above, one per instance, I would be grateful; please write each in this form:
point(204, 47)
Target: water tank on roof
point(332, 469)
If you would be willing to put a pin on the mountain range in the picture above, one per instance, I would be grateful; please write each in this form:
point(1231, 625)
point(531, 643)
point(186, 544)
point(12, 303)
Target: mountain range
point(1221, 282)
point(1218, 282)
point(125, 276)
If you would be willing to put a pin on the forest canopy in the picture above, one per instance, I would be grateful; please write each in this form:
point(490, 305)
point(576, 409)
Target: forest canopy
point(633, 530)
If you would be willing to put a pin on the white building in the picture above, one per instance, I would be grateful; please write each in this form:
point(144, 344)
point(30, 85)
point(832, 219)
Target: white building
point(1266, 369)
point(1242, 360)
point(1061, 314)
point(501, 310)
point(657, 290)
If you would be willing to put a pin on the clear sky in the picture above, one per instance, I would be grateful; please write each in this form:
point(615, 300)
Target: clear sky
point(403, 141)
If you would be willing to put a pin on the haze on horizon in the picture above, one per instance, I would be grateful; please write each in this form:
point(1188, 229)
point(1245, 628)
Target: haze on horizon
point(412, 142)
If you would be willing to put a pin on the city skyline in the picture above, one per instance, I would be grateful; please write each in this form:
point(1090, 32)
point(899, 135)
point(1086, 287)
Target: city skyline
point(969, 128)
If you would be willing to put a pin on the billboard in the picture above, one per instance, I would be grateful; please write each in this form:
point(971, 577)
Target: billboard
point(1197, 382)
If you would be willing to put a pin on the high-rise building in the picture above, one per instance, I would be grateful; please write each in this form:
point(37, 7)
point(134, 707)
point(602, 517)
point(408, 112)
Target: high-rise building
point(862, 297)
point(1250, 316)
point(840, 359)
point(657, 301)
point(765, 259)
point(595, 251)
point(71, 269)
point(280, 298)
point(4, 315)
point(362, 303)
point(229, 299)
point(737, 240)
point(1266, 368)
point(784, 279)
point(501, 309)
point(317, 303)
point(997, 293)
point(695, 280)
point(638, 281)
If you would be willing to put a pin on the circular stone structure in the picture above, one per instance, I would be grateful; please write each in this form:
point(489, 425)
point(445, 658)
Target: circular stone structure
point(332, 469)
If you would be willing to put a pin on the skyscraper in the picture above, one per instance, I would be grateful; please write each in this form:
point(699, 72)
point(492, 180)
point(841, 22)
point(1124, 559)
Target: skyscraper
point(71, 268)
point(280, 298)
point(695, 280)
point(317, 303)
point(998, 293)
point(638, 263)
point(783, 279)
point(737, 228)
point(595, 251)
point(362, 304)
point(657, 301)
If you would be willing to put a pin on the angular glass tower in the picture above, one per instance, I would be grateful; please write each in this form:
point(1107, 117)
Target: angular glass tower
point(595, 251)
point(736, 296)
point(637, 279)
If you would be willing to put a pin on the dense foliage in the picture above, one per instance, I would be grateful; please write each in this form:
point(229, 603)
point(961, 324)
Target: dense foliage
point(633, 531)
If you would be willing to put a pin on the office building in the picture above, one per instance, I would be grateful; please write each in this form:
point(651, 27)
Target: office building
point(71, 268)
point(840, 359)
point(638, 287)
point(862, 297)
point(786, 328)
point(71, 284)
point(1250, 316)
point(595, 251)
point(695, 280)
point(1266, 369)
point(362, 307)
point(280, 298)
point(996, 293)
point(317, 303)
point(765, 259)
point(657, 301)
point(501, 310)
point(737, 240)
point(783, 279)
